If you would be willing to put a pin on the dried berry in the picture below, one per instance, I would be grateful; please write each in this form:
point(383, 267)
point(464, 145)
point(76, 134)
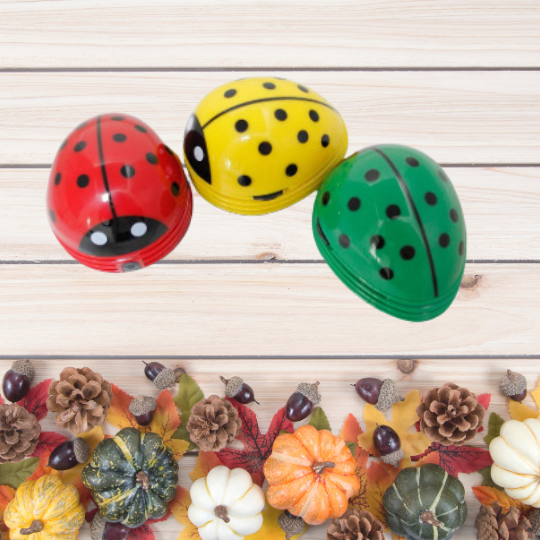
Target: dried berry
point(17, 380)
point(301, 403)
point(161, 376)
point(69, 454)
point(388, 445)
point(143, 407)
point(237, 389)
point(382, 394)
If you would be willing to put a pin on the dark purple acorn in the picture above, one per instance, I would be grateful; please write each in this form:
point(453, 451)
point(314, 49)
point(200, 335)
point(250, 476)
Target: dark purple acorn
point(514, 385)
point(161, 376)
point(103, 530)
point(143, 407)
point(301, 403)
point(237, 389)
point(382, 394)
point(388, 445)
point(17, 380)
point(69, 454)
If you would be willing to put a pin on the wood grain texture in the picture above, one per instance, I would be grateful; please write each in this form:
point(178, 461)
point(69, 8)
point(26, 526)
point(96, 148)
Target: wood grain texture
point(500, 206)
point(278, 379)
point(253, 309)
point(455, 117)
point(143, 33)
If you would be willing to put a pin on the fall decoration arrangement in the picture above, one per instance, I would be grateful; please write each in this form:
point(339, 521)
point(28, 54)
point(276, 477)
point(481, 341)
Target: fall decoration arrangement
point(80, 399)
point(451, 415)
point(389, 476)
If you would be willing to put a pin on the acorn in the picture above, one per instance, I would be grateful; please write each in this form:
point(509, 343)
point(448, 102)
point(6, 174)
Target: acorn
point(69, 454)
point(237, 389)
point(161, 376)
point(382, 394)
point(103, 530)
point(388, 445)
point(17, 380)
point(143, 407)
point(291, 525)
point(514, 385)
point(301, 403)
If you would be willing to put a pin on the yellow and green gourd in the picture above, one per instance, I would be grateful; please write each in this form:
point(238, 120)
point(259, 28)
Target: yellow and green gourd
point(44, 509)
point(425, 503)
point(132, 477)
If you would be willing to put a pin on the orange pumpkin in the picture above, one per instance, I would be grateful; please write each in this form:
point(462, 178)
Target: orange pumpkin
point(312, 474)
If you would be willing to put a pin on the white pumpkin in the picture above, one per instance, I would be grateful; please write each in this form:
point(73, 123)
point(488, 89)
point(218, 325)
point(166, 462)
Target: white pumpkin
point(516, 460)
point(226, 505)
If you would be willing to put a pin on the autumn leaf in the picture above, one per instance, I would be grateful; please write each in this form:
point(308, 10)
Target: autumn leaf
point(188, 394)
point(270, 529)
point(165, 421)
point(403, 418)
point(458, 459)
point(319, 420)
point(206, 461)
point(6, 494)
point(42, 469)
point(494, 427)
point(48, 441)
point(488, 495)
point(179, 509)
point(520, 411)
point(14, 474)
point(257, 447)
point(145, 532)
point(35, 400)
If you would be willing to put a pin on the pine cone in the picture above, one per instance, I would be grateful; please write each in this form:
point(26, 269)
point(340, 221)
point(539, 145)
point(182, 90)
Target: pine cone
point(450, 415)
point(19, 433)
point(80, 399)
point(493, 523)
point(213, 424)
point(355, 525)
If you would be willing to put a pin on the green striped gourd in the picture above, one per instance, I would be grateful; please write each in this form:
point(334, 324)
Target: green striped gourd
point(425, 503)
point(132, 477)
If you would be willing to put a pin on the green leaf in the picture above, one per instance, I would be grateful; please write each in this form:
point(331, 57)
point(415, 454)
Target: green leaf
point(488, 481)
point(351, 446)
point(319, 420)
point(494, 429)
point(189, 393)
point(14, 474)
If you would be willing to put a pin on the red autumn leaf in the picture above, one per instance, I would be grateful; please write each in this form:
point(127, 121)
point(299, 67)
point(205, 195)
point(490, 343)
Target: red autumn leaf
point(458, 459)
point(36, 399)
point(257, 447)
point(48, 441)
point(145, 532)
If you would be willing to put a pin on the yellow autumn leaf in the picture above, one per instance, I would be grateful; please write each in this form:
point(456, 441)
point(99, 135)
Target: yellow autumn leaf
point(403, 418)
point(270, 529)
point(206, 461)
point(520, 411)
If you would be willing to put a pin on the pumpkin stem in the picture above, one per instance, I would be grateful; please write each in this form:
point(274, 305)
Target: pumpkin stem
point(428, 517)
point(221, 513)
point(143, 479)
point(320, 466)
point(36, 527)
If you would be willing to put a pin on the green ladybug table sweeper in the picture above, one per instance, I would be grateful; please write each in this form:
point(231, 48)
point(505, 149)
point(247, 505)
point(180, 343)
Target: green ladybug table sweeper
point(389, 223)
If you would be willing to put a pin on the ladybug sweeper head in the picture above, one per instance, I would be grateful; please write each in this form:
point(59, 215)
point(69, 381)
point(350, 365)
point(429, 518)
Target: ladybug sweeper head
point(118, 199)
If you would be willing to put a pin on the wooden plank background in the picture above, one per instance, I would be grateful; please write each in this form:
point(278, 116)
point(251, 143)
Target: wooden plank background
point(251, 295)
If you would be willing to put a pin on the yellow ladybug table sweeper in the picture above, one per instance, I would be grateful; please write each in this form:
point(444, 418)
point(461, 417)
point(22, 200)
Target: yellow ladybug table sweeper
point(258, 145)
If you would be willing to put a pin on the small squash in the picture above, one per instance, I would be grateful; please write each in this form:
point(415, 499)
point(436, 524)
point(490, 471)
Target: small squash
point(425, 503)
point(132, 477)
point(44, 509)
point(226, 504)
point(516, 460)
point(312, 474)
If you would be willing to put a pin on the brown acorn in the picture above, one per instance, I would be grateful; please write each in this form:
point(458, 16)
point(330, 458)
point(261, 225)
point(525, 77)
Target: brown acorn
point(388, 444)
point(301, 403)
point(161, 376)
point(100, 529)
point(17, 380)
point(143, 407)
point(382, 394)
point(69, 454)
point(237, 389)
point(514, 385)
point(291, 525)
